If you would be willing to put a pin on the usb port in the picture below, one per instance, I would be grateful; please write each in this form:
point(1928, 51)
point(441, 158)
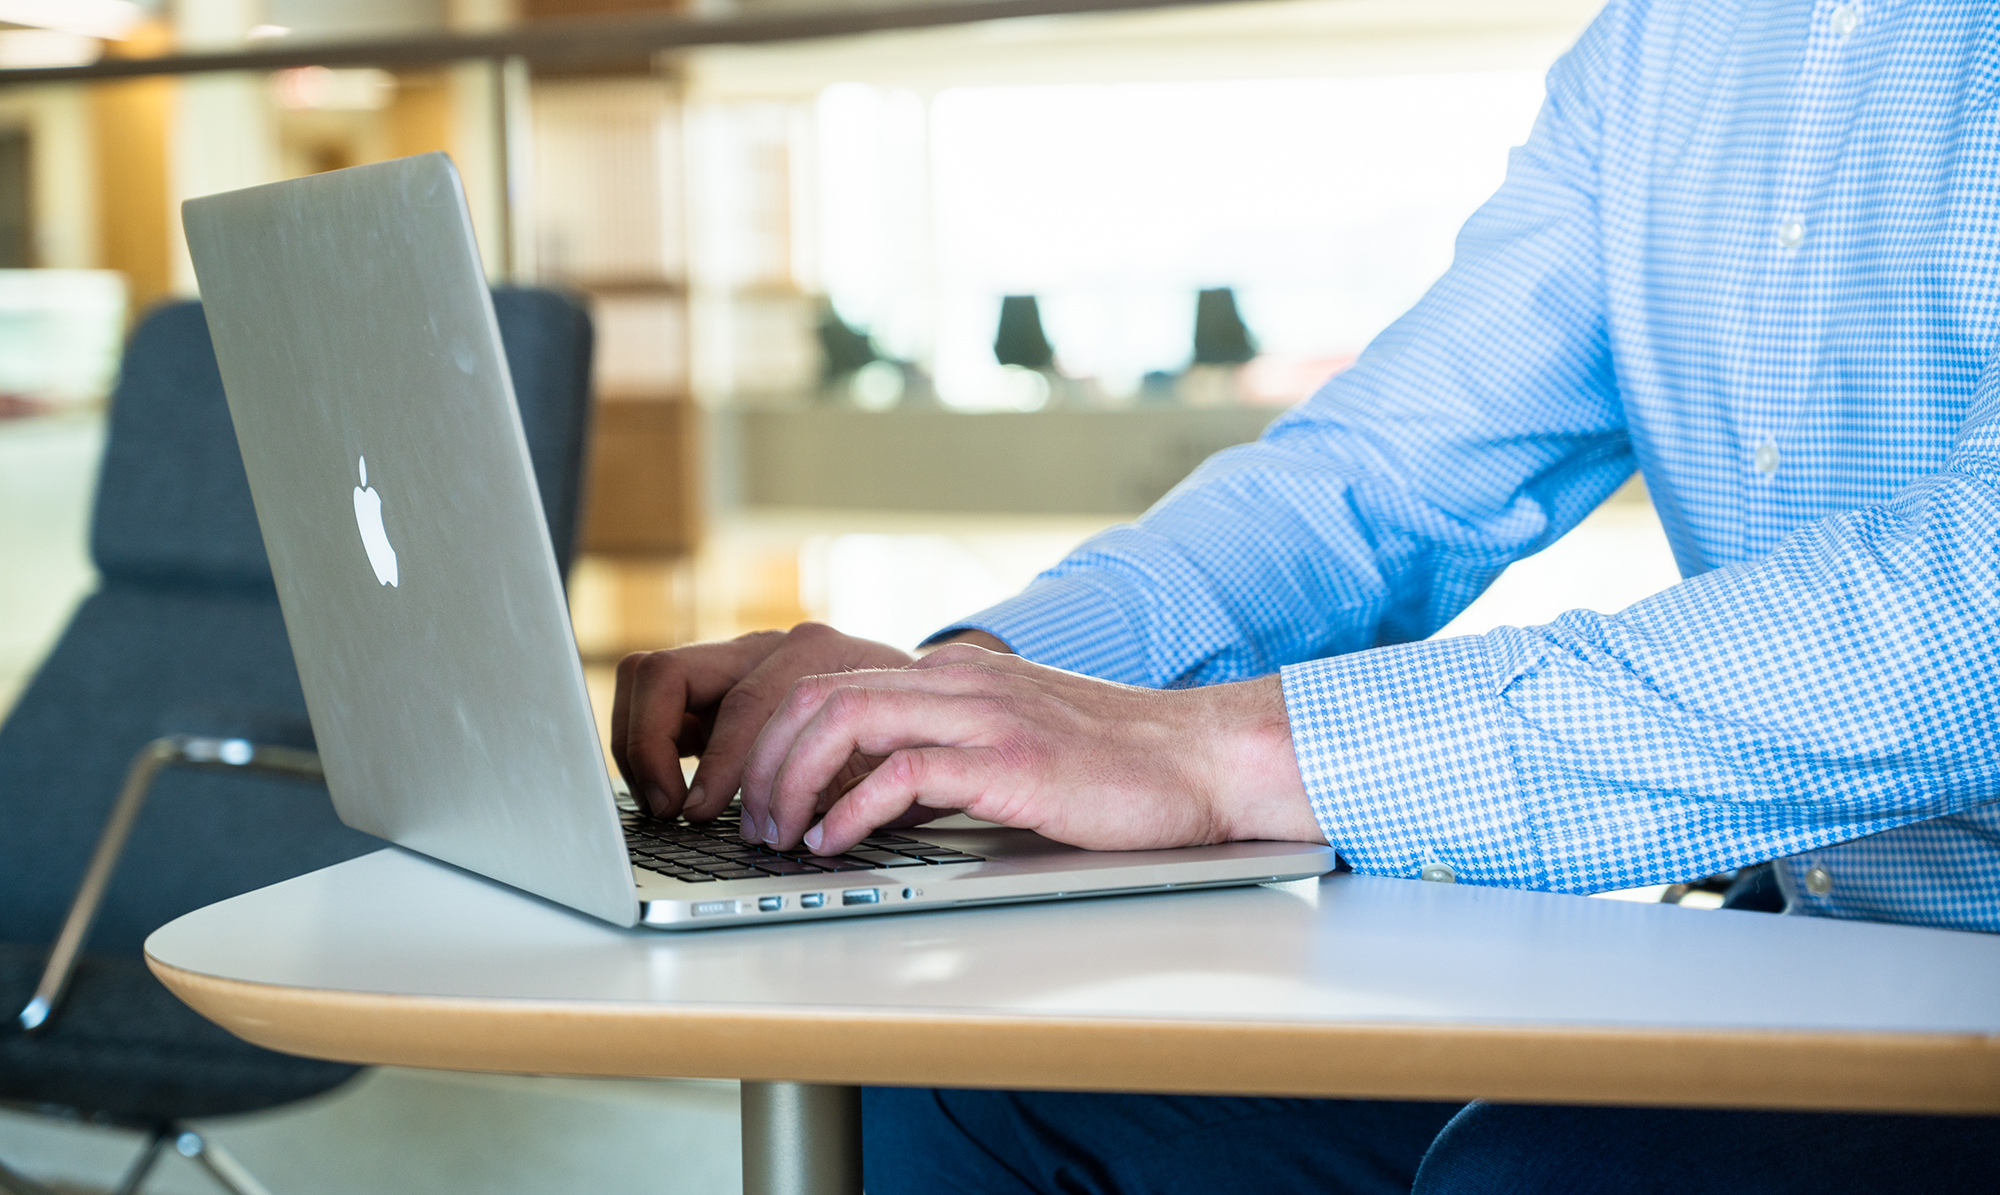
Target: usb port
point(770, 904)
point(812, 900)
point(861, 896)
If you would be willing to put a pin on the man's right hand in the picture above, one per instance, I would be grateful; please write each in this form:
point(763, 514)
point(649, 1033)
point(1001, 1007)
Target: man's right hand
point(711, 700)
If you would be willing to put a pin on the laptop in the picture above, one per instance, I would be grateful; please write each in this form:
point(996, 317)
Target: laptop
point(372, 403)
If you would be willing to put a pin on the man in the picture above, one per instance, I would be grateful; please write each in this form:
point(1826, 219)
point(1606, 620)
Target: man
point(1752, 249)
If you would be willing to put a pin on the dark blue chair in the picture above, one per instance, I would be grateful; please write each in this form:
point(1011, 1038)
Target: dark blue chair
point(161, 760)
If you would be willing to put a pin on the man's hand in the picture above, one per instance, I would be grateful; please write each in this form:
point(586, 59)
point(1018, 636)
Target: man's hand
point(1079, 760)
point(710, 700)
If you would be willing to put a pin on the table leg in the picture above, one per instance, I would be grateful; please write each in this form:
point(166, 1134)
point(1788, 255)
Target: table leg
point(801, 1139)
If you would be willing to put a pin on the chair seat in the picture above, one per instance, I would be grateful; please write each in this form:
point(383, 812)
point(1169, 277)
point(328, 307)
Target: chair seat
point(124, 1049)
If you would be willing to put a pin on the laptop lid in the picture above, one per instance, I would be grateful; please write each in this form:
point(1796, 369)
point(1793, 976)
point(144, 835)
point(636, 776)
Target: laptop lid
point(376, 417)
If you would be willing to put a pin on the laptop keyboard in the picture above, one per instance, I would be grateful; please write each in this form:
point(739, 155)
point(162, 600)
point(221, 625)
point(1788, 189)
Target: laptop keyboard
point(697, 852)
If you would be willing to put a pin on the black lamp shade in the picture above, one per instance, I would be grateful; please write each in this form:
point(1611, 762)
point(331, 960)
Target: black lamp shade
point(1220, 336)
point(1021, 340)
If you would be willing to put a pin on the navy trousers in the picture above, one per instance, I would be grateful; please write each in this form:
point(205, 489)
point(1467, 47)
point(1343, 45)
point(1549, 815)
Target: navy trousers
point(924, 1142)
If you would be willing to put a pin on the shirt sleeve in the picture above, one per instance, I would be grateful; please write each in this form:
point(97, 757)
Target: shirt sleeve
point(1843, 686)
point(1474, 431)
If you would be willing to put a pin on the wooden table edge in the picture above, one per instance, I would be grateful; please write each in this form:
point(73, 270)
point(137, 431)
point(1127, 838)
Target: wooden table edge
point(1824, 1070)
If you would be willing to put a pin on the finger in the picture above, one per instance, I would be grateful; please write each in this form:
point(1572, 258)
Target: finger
point(808, 649)
point(771, 734)
point(911, 784)
point(621, 704)
point(667, 686)
point(775, 730)
point(656, 715)
point(802, 700)
point(739, 718)
point(872, 721)
point(654, 712)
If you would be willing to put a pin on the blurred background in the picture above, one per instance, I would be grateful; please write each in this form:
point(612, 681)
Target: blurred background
point(886, 323)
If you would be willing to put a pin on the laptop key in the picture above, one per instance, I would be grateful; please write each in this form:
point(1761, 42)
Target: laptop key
point(886, 859)
point(737, 873)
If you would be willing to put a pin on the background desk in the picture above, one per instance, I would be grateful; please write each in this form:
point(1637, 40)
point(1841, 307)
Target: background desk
point(1353, 986)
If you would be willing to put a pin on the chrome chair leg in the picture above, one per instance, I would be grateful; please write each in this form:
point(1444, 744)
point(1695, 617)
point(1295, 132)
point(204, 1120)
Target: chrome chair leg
point(14, 1182)
point(174, 750)
point(220, 1164)
point(143, 1164)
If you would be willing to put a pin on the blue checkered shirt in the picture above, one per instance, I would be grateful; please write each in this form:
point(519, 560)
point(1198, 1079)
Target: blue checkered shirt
point(1751, 249)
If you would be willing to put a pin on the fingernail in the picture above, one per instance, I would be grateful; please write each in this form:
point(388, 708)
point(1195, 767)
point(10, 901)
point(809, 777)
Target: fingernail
point(656, 800)
point(771, 830)
point(694, 796)
point(814, 835)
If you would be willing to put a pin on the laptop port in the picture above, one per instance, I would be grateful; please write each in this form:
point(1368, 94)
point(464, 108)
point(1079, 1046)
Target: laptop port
point(812, 900)
point(861, 896)
point(770, 904)
point(712, 908)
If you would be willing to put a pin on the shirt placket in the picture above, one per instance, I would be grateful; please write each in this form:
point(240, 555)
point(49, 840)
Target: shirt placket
point(1797, 262)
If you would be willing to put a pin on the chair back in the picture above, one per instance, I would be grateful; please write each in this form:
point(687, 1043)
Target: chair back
point(184, 635)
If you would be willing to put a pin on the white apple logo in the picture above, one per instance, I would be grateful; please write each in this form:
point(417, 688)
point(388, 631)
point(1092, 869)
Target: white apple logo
point(368, 515)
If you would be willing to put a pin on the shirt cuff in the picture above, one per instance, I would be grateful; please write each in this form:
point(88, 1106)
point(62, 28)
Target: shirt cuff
point(1406, 759)
point(1070, 622)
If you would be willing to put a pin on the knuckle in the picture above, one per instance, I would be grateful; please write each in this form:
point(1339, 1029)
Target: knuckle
point(654, 667)
point(747, 695)
point(811, 632)
point(906, 769)
point(808, 691)
point(848, 701)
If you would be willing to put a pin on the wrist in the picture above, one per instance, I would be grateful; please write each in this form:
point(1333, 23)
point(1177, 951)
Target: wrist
point(1254, 779)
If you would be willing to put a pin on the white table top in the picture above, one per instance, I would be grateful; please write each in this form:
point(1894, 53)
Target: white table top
point(1354, 985)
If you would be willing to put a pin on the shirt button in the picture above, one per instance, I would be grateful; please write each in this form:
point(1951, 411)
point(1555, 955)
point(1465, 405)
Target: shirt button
point(1766, 458)
point(1791, 233)
point(1438, 873)
point(1819, 881)
point(1845, 19)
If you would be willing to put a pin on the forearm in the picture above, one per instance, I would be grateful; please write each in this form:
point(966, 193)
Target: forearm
point(1837, 689)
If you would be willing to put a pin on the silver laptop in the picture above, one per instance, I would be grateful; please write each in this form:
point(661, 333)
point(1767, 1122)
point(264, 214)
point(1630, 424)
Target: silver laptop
point(376, 417)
